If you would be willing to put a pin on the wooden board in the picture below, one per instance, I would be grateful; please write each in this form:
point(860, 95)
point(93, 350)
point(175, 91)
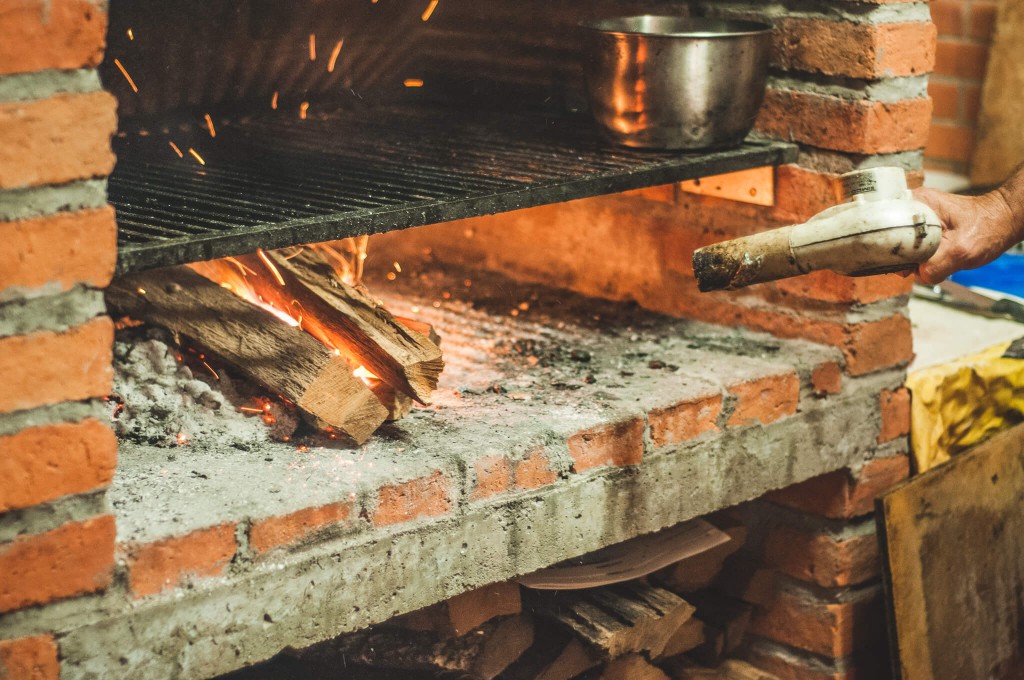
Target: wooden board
point(954, 568)
point(1000, 146)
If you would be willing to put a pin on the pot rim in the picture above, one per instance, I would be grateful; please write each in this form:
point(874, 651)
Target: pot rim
point(689, 27)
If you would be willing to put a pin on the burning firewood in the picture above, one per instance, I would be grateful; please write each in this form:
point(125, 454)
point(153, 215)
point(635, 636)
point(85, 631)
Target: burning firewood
point(254, 342)
point(341, 316)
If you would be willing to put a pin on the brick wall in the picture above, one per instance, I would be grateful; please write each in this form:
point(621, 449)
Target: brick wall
point(965, 29)
point(57, 453)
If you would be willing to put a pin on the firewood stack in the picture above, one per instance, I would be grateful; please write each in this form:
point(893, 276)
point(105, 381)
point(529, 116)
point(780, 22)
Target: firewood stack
point(344, 361)
point(682, 622)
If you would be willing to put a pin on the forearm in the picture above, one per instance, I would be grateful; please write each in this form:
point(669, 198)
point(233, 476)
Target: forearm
point(1012, 194)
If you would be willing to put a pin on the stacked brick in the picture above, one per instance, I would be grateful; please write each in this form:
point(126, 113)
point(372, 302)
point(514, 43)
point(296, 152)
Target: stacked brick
point(965, 29)
point(57, 454)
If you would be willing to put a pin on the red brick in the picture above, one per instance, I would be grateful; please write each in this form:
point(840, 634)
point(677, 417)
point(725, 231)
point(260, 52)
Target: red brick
point(46, 367)
point(765, 400)
point(833, 630)
point(972, 103)
point(493, 476)
point(963, 60)
point(274, 532)
point(800, 193)
point(66, 248)
point(983, 20)
point(827, 378)
point(949, 17)
point(42, 463)
point(952, 142)
point(55, 140)
point(617, 444)
point(829, 287)
point(841, 495)
point(31, 658)
point(895, 415)
point(421, 497)
point(685, 421)
point(535, 471)
point(822, 559)
point(856, 126)
point(74, 559)
point(867, 347)
point(161, 565)
point(945, 100)
point(843, 48)
point(51, 34)
point(791, 667)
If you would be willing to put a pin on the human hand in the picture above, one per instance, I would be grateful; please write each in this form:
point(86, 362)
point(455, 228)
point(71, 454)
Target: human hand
point(975, 231)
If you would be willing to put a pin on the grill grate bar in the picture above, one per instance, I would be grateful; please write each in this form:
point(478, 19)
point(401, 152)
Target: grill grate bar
point(274, 181)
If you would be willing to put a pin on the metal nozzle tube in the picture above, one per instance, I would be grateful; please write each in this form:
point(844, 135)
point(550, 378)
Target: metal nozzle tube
point(744, 261)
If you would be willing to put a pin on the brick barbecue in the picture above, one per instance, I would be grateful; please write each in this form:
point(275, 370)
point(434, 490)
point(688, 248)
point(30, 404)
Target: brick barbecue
point(117, 560)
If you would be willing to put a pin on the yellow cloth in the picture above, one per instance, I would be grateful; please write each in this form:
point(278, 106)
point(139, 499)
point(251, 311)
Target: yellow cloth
point(958, 404)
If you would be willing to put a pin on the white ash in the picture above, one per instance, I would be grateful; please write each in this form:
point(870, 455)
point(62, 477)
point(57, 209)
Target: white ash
point(160, 400)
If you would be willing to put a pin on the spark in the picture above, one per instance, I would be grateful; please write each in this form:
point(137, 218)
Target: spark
point(124, 72)
point(182, 439)
point(196, 156)
point(312, 46)
point(429, 10)
point(270, 266)
point(413, 82)
point(334, 56)
point(142, 291)
point(210, 369)
point(176, 149)
point(241, 267)
point(250, 409)
point(391, 276)
point(273, 101)
point(303, 107)
point(131, 35)
point(209, 124)
point(398, 267)
point(298, 251)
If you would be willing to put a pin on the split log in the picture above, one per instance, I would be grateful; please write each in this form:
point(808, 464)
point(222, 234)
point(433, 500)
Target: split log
point(734, 669)
point(482, 655)
point(628, 617)
point(689, 636)
point(255, 343)
point(745, 580)
point(699, 571)
point(724, 613)
point(398, 404)
point(343, 317)
point(731, 669)
point(632, 667)
point(630, 559)
point(464, 612)
point(555, 655)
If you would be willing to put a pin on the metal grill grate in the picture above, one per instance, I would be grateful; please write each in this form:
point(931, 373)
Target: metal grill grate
point(276, 181)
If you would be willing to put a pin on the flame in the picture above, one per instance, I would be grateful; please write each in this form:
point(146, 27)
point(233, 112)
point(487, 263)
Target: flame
point(209, 125)
point(124, 72)
point(365, 375)
point(232, 274)
point(334, 56)
point(429, 10)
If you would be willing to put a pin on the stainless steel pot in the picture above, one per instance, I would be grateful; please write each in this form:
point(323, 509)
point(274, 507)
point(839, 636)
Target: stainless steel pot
point(676, 83)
